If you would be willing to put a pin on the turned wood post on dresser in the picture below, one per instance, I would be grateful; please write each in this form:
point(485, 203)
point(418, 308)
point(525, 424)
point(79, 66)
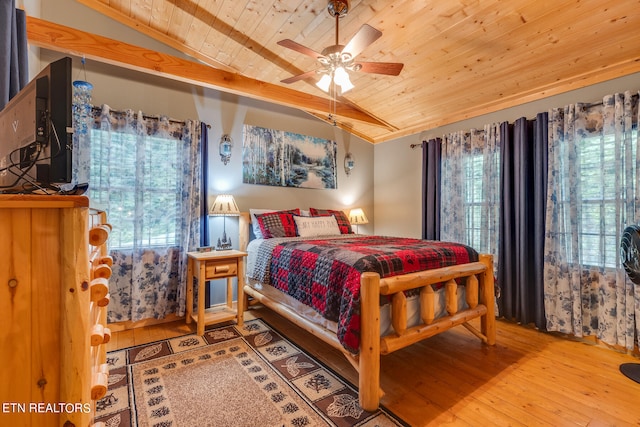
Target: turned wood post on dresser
point(52, 310)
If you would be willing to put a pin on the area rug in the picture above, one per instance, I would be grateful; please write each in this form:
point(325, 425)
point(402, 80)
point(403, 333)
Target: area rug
point(248, 376)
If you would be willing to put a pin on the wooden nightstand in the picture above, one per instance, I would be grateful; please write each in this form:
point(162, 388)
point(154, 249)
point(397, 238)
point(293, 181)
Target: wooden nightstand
point(215, 265)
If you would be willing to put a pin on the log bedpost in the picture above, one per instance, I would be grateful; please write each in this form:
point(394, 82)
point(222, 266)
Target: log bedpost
point(243, 224)
point(369, 375)
point(488, 320)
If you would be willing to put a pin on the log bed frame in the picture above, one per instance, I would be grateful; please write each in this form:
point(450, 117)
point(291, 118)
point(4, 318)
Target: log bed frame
point(479, 283)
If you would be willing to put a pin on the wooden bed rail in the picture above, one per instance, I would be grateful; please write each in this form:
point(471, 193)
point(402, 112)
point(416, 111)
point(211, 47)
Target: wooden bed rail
point(423, 280)
point(394, 284)
point(299, 320)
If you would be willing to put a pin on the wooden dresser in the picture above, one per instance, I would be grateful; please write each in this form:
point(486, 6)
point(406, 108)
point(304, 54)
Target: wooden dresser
point(54, 272)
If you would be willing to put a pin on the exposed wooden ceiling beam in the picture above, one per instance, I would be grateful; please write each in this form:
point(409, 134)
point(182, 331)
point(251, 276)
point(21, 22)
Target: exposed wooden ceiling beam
point(110, 12)
point(71, 41)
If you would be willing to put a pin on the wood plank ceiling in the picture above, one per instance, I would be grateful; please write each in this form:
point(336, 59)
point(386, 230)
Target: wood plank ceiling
point(462, 58)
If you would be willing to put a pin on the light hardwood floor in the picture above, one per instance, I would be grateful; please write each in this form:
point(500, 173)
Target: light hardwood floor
point(528, 379)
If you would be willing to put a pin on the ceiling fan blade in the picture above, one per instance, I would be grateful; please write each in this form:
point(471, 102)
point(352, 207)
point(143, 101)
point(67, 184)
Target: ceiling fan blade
point(299, 48)
point(299, 77)
point(388, 68)
point(363, 38)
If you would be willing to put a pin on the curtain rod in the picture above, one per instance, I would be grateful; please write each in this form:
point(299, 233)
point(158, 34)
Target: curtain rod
point(587, 105)
point(147, 116)
point(600, 103)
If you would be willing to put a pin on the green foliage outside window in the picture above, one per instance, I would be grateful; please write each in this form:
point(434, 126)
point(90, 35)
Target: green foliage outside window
point(139, 185)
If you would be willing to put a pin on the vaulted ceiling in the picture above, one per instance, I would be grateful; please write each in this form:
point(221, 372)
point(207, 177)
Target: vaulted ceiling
point(462, 58)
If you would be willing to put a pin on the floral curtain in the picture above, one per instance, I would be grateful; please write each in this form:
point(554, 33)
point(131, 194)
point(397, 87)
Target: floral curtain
point(146, 174)
point(592, 195)
point(470, 188)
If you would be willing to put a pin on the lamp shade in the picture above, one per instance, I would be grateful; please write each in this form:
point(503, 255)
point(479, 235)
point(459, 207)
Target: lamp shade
point(224, 205)
point(324, 82)
point(357, 217)
point(341, 78)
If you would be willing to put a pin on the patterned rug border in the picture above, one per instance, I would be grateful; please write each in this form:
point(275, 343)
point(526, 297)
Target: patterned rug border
point(120, 400)
point(348, 383)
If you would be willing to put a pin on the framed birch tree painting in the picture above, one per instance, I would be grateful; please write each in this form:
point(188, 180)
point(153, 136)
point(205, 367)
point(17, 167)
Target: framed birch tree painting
point(286, 159)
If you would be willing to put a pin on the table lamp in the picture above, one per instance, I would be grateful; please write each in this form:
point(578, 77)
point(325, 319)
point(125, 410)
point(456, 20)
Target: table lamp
point(357, 217)
point(224, 206)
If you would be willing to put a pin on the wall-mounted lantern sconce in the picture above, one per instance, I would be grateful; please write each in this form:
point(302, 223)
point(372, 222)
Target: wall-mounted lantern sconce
point(225, 148)
point(349, 163)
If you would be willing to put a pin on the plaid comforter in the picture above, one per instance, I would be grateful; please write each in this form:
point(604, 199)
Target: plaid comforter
point(325, 273)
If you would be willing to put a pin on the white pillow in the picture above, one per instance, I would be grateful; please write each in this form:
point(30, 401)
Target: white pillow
point(316, 226)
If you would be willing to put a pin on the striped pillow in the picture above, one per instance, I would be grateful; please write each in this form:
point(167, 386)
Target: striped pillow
point(278, 224)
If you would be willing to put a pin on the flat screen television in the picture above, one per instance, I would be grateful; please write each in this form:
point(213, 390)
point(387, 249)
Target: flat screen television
point(36, 132)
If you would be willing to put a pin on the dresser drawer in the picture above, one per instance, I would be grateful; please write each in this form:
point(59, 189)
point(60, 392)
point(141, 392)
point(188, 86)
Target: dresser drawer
point(222, 268)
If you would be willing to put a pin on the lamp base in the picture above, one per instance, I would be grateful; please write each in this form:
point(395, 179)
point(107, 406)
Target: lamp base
point(224, 244)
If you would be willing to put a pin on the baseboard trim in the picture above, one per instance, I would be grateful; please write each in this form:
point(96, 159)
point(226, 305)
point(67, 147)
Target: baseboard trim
point(123, 326)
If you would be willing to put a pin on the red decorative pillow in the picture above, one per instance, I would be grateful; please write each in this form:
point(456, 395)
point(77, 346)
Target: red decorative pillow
point(278, 224)
point(341, 217)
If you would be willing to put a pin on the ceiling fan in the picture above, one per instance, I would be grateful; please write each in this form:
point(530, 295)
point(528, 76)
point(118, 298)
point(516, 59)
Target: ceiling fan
point(338, 59)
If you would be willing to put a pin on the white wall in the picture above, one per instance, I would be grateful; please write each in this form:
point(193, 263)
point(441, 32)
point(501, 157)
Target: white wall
point(398, 168)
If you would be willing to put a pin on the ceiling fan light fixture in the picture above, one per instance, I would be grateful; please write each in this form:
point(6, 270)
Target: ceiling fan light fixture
point(341, 78)
point(324, 82)
point(346, 87)
point(324, 61)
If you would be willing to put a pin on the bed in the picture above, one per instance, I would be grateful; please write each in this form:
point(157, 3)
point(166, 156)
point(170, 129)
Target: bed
point(394, 308)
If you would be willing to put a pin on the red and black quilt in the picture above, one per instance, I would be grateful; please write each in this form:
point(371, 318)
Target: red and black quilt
point(325, 273)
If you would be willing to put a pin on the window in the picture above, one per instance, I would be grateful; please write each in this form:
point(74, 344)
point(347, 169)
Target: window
point(470, 188)
point(478, 204)
point(599, 200)
point(137, 181)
